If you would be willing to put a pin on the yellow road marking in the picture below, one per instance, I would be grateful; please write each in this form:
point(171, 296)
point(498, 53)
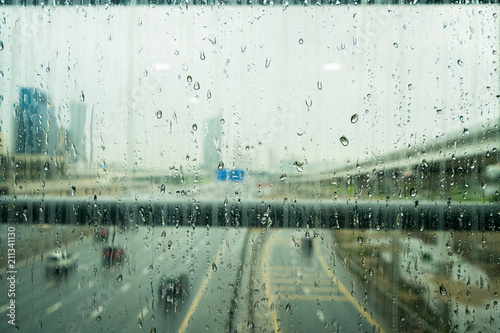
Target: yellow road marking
point(264, 270)
point(203, 287)
point(302, 289)
point(344, 291)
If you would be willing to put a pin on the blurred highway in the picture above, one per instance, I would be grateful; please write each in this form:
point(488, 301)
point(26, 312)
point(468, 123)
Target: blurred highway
point(245, 279)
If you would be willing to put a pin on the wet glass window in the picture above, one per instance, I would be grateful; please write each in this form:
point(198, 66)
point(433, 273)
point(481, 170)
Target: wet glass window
point(249, 166)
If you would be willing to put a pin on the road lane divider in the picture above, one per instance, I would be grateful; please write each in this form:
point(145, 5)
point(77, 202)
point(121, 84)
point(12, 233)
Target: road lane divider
point(54, 307)
point(344, 291)
point(265, 273)
point(204, 285)
point(125, 287)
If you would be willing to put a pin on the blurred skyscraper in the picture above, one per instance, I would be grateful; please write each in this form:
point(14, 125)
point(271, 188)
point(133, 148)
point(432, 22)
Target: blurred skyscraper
point(76, 145)
point(211, 145)
point(35, 126)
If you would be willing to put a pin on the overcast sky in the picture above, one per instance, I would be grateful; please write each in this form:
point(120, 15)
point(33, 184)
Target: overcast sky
point(288, 84)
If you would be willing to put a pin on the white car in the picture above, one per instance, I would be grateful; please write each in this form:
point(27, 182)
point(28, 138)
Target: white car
point(60, 261)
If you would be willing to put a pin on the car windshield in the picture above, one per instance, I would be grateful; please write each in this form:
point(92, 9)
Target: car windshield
point(249, 166)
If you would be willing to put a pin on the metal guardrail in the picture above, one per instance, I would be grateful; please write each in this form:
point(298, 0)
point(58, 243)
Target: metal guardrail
point(404, 215)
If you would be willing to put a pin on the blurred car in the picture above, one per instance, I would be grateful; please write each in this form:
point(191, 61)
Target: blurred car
point(61, 262)
point(112, 254)
point(173, 290)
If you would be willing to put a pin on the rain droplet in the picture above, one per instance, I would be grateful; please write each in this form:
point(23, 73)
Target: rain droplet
point(360, 240)
point(163, 234)
point(439, 111)
point(413, 192)
point(298, 166)
point(395, 45)
point(221, 165)
point(370, 272)
point(344, 141)
point(195, 127)
point(98, 319)
point(222, 121)
point(309, 103)
point(460, 62)
point(189, 79)
point(214, 267)
point(119, 278)
point(1, 46)
point(196, 85)
point(268, 62)
point(46, 166)
point(47, 69)
point(159, 114)
point(283, 177)
point(209, 94)
point(176, 52)
point(301, 41)
point(202, 55)
point(410, 86)
point(162, 189)
point(354, 118)
point(82, 97)
point(442, 290)
point(287, 307)
point(320, 85)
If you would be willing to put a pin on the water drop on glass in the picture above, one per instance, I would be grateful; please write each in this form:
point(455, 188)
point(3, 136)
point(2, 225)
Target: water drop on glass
point(221, 165)
point(283, 177)
point(413, 192)
point(354, 118)
point(163, 234)
point(214, 267)
point(268, 62)
point(344, 141)
point(442, 290)
point(360, 240)
point(301, 41)
point(98, 319)
point(82, 97)
point(287, 307)
point(209, 94)
point(46, 166)
point(189, 79)
point(195, 127)
point(202, 55)
point(460, 62)
point(395, 45)
point(1, 46)
point(159, 114)
point(119, 278)
point(320, 85)
point(196, 85)
point(162, 189)
point(298, 166)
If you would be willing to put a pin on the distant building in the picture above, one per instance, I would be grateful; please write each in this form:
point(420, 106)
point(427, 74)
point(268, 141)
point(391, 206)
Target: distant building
point(76, 140)
point(211, 145)
point(35, 124)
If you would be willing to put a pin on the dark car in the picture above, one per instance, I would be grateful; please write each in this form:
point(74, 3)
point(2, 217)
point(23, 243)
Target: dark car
point(172, 291)
point(112, 255)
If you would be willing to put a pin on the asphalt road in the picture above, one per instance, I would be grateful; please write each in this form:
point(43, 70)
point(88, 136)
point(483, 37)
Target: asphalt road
point(238, 279)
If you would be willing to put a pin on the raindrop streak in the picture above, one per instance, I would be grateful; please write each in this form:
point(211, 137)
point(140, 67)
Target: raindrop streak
point(460, 62)
point(46, 166)
point(202, 55)
point(283, 177)
point(413, 192)
point(159, 114)
point(442, 290)
point(196, 85)
point(195, 127)
point(320, 85)
point(344, 141)
point(268, 62)
point(119, 278)
point(214, 267)
point(221, 165)
point(82, 97)
point(395, 45)
point(354, 118)
point(287, 307)
point(162, 189)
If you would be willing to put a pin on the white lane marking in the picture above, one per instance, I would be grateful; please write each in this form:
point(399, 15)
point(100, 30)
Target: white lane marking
point(50, 284)
point(4, 308)
point(54, 307)
point(125, 287)
point(96, 312)
point(143, 312)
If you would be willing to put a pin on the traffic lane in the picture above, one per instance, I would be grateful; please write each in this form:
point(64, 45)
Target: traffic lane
point(296, 280)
